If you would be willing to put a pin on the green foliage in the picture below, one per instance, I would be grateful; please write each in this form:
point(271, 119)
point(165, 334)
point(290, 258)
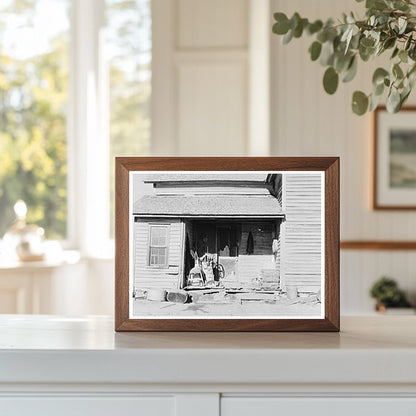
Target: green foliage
point(359, 103)
point(387, 292)
point(282, 25)
point(330, 80)
point(33, 97)
point(315, 50)
point(389, 26)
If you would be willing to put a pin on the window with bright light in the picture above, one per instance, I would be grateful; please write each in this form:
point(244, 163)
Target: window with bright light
point(41, 158)
point(129, 45)
point(33, 108)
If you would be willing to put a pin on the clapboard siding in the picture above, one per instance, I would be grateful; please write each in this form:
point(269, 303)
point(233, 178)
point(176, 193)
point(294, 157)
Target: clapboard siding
point(166, 278)
point(301, 232)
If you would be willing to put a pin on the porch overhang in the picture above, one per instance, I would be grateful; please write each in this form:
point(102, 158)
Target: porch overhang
point(208, 206)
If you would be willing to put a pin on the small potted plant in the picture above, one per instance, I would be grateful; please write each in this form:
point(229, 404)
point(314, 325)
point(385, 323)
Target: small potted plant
point(387, 294)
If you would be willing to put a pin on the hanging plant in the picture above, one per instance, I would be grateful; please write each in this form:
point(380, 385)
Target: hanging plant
point(389, 27)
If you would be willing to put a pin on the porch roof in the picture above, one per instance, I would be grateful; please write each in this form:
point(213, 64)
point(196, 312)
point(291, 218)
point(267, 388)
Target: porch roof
point(225, 206)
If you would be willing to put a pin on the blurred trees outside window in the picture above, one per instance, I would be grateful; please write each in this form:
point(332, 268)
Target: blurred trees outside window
point(34, 93)
point(33, 101)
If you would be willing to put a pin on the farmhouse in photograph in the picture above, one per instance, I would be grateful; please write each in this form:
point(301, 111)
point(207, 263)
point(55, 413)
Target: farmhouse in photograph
point(248, 230)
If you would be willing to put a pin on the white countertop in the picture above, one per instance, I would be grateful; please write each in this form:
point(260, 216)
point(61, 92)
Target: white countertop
point(52, 349)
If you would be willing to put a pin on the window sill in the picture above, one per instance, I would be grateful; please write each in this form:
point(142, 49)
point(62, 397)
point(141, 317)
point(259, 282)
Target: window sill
point(63, 258)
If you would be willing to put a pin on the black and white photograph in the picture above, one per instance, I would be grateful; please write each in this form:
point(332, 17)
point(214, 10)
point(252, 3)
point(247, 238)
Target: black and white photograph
point(226, 244)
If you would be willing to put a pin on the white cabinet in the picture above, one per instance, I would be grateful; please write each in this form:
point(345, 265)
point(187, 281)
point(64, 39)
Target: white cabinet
point(79, 366)
point(207, 404)
point(88, 406)
point(272, 406)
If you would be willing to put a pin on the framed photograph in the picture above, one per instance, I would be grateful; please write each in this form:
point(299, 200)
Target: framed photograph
point(227, 244)
point(394, 159)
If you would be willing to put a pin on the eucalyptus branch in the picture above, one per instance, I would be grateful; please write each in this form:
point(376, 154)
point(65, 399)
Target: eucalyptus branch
point(389, 25)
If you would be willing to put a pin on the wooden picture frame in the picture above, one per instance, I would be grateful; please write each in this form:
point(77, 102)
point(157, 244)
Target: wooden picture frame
point(130, 181)
point(394, 184)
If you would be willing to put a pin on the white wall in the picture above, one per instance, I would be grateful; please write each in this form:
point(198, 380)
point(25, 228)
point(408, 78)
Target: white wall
point(201, 82)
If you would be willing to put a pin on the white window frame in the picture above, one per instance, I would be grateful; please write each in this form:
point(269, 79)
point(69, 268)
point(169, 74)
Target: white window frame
point(167, 229)
point(87, 132)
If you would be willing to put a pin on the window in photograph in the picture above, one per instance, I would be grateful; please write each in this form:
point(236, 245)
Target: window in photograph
point(33, 110)
point(158, 246)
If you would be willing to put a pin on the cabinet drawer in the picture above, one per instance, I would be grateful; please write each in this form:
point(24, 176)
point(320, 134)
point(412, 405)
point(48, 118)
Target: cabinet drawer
point(274, 406)
point(88, 406)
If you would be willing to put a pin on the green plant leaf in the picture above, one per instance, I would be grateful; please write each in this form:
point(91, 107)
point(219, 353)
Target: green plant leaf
point(378, 89)
point(322, 36)
point(367, 42)
point(393, 101)
point(412, 52)
point(365, 52)
point(408, 42)
point(404, 95)
point(376, 4)
point(327, 53)
point(294, 20)
point(348, 35)
point(397, 71)
point(341, 61)
point(355, 41)
point(330, 80)
point(400, 5)
point(359, 103)
point(298, 30)
point(411, 75)
point(314, 27)
point(379, 75)
point(288, 37)
point(412, 70)
point(395, 52)
point(351, 71)
point(403, 56)
point(389, 43)
point(281, 27)
point(315, 50)
point(374, 101)
point(402, 22)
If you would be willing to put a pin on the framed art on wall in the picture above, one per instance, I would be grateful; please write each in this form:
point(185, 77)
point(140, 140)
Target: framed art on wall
point(227, 244)
point(394, 178)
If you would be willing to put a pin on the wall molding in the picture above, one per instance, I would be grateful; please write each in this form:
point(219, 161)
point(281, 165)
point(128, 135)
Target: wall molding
point(377, 245)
